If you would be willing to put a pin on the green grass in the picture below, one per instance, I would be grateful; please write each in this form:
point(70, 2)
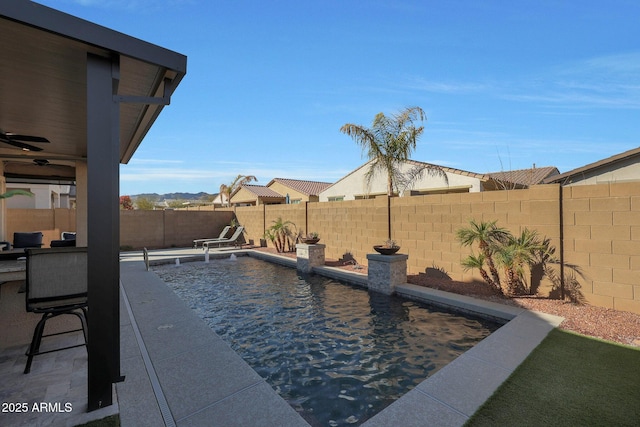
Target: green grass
point(569, 380)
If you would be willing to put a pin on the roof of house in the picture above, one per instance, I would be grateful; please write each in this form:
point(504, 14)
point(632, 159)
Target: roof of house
point(595, 165)
point(310, 188)
point(481, 177)
point(531, 176)
point(260, 191)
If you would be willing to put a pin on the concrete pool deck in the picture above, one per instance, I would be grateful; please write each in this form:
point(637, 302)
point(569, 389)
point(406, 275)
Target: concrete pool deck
point(180, 373)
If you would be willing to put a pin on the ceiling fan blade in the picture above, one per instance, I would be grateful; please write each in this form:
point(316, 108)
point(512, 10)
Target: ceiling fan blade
point(20, 144)
point(27, 138)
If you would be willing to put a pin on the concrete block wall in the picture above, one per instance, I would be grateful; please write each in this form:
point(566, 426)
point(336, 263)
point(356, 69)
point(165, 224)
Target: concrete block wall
point(252, 219)
point(600, 229)
point(602, 236)
point(425, 226)
point(295, 213)
point(167, 228)
point(350, 228)
point(51, 222)
point(139, 229)
point(256, 219)
point(181, 228)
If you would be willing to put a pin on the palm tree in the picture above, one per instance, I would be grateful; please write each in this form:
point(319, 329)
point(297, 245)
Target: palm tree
point(17, 192)
point(472, 262)
point(238, 182)
point(515, 254)
point(488, 236)
point(389, 144)
point(281, 234)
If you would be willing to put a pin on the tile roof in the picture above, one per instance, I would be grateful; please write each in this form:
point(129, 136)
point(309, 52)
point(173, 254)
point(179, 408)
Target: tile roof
point(480, 176)
point(262, 191)
point(310, 188)
point(531, 176)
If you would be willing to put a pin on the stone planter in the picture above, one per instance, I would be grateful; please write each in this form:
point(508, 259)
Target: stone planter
point(386, 250)
point(307, 241)
point(309, 256)
point(386, 272)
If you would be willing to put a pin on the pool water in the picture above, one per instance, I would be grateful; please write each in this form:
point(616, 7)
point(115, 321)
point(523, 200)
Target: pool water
point(337, 353)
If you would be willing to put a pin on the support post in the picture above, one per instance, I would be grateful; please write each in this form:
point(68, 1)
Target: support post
point(103, 229)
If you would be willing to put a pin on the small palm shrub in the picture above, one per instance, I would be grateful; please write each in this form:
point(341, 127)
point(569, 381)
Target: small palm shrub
point(282, 234)
point(504, 261)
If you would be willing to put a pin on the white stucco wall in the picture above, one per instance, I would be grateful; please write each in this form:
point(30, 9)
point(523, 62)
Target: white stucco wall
point(355, 184)
point(45, 196)
point(623, 171)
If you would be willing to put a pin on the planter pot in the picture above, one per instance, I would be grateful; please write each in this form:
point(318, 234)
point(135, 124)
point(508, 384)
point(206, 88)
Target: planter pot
point(386, 251)
point(310, 241)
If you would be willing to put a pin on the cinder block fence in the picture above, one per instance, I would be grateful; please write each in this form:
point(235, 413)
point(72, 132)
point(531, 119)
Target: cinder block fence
point(594, 227)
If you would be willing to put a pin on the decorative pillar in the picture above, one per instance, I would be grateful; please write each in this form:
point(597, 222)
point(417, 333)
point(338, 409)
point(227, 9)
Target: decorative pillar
point(309, 256)
point(386, 272)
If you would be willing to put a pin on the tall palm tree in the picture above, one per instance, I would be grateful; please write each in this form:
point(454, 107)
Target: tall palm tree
point(389, 144)
point(238, 182)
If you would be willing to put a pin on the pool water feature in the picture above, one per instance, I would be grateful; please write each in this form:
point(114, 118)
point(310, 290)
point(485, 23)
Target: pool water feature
point(337, 353)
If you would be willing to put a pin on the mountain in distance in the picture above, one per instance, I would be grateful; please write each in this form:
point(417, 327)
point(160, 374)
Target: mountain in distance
point(173, 196)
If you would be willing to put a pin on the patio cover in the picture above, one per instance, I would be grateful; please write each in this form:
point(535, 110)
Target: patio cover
point(93, 93)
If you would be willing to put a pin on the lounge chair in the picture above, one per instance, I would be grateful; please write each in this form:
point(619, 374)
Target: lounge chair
point(223, 233)
point(56, 285)
point(231, 240)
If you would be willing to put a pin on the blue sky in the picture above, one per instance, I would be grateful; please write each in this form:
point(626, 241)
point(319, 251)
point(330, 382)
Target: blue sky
point(269, 84)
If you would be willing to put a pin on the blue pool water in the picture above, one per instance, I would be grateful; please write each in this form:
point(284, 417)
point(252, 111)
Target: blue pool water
point(337, 353)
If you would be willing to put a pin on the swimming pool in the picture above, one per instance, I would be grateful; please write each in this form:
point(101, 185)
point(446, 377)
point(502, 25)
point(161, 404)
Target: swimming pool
point(337, 353)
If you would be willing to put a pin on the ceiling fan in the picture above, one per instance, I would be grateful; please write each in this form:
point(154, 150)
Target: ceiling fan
point(20, 141)
point(38, 168)
point(42, 162)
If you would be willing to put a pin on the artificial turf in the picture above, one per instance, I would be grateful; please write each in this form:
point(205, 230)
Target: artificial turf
point(568, 380)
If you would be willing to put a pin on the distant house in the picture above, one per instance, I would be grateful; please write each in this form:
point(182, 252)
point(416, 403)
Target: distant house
point(278, 191)
point(253, 195)
point(220, 200)
point(354, 186)
point(298, 190)
point(618, 168)
point(523, 178)
point(45, 196)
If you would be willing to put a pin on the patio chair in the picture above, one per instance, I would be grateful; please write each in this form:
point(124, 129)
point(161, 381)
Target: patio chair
point(23, 240)
point(223, 233)
point(67, 238)
point(231, 240)
point(56, 284)
point(68, 235)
